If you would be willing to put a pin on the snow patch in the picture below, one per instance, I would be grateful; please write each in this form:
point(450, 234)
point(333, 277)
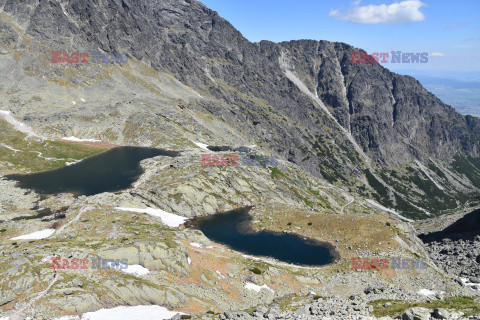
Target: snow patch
point(201, 145)
point(83, 100)
point(466, 282)
point(189, 260)
point(72, 138)
point(74, 103)
point(36, 235)
point(426, 292)
point(22, 127)
point(199, 245)
point(136, 269)
point(254, 287)
point(131, 313)
point(170, 219)
point(220, 275)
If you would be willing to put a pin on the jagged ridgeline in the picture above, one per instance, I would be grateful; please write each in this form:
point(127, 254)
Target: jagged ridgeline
point(357, 125)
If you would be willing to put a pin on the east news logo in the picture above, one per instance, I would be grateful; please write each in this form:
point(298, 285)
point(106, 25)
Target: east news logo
point(59, 263)
point(396, 57)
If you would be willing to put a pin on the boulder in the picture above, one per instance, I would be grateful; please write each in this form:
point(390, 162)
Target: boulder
point(474, 280)
point(441, 313)
point(417, 313)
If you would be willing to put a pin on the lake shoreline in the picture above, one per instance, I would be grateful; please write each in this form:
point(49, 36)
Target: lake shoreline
point(246, 229)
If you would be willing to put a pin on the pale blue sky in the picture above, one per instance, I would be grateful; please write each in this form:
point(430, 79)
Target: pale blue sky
point(448, 28)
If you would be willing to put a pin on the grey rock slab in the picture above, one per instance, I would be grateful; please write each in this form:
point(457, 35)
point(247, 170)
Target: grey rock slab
point(440, 313)
point(416, 313)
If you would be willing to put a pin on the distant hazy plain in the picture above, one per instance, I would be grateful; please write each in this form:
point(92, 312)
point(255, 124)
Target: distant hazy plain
point(461, 90)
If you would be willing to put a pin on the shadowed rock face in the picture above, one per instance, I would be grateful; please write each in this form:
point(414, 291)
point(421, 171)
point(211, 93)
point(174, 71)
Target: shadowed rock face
point(391, 118)
point(456, 247)
point(465, 228)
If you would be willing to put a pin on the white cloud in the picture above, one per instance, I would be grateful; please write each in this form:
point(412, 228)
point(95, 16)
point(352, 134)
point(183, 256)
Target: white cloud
point(372, 14)
point(437, 54)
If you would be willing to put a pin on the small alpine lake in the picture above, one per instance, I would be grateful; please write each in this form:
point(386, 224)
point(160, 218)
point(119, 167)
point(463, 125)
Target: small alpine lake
point(110, 171)
point(233, 229)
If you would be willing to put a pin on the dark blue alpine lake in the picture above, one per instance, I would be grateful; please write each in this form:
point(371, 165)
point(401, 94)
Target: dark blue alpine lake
point(109, 171)
point(233, 229)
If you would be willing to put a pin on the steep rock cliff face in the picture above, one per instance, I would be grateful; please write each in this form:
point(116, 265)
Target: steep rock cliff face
point(381, 134)
point(391, 116)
